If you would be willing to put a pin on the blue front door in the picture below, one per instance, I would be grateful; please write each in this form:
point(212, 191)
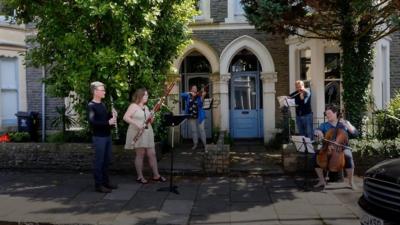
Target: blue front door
point(244, 105)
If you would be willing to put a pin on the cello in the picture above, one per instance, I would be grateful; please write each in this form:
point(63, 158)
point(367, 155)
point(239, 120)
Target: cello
point(331, 155)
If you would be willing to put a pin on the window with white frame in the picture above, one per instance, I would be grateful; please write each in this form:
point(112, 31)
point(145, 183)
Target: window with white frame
point(8, 91)
point(203, 6)
point(333, 80)
point(235, 12)
point(7, 16)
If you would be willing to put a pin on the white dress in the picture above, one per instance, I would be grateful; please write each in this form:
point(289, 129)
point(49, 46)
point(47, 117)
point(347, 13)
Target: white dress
point(146, 140)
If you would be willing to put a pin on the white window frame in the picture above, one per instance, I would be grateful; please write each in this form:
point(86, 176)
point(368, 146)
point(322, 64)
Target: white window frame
point(233, 17)
point(385, 67)
point(10, 19)
point(205, 12)
point(340, 80)
point(3, 88)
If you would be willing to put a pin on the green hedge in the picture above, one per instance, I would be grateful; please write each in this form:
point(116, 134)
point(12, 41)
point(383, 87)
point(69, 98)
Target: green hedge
point(374, 147)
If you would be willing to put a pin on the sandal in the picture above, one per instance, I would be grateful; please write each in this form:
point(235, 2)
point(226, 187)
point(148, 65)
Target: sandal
point(160, 179)
point(142, 181)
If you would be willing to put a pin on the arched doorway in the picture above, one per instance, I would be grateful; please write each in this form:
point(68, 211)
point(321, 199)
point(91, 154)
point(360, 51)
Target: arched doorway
point(195, 70)
point(245, 96)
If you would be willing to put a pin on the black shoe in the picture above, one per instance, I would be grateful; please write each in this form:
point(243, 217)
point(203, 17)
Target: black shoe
point(111, 186)
point(103, 189)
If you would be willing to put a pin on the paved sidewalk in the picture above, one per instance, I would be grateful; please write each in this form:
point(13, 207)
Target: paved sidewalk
point(245, 158)
point(251, 200)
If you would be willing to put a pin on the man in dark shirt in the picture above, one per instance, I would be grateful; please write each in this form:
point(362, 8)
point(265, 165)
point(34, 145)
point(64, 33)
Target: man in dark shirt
point(304, 116)
point(100, 122)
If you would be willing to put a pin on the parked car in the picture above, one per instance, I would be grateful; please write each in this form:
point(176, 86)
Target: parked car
point(380, 201)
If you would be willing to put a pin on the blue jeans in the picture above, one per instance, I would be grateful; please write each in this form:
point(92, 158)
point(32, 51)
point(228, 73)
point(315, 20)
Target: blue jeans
point(305, 125)
point(102, 160)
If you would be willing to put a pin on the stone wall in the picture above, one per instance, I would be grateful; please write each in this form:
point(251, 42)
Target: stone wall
point(59, 157)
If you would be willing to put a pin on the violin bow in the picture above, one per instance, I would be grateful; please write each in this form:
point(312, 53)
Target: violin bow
point(337, 144)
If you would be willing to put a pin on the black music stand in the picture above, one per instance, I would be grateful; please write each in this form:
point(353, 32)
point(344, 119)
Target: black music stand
point(171, 120)
point(304, 144)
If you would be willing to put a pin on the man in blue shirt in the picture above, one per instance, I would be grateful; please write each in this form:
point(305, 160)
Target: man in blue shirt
point(304, 115)
point(194, 108)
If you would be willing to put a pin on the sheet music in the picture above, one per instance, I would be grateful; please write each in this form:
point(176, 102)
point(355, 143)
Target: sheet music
point(298, 141)
point(285, 101)
point(207, 103)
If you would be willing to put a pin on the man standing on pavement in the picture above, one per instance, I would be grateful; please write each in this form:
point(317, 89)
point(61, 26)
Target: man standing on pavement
point(101, 122)
point(304, 116)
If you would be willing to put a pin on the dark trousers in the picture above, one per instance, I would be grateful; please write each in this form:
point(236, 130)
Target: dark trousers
point(102, 160)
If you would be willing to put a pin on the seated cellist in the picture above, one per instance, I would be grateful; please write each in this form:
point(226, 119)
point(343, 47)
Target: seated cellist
point(331, 113)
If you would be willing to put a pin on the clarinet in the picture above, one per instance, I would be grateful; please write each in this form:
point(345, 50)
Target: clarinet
point(155, 109)
point(116, 122)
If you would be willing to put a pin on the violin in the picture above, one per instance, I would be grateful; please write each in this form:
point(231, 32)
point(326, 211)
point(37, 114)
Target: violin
point(331, 155)
point(200, 93)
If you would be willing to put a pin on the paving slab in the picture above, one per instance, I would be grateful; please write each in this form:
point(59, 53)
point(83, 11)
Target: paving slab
point(124, 192)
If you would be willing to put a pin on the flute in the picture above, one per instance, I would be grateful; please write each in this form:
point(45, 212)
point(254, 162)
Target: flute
point(114, 112)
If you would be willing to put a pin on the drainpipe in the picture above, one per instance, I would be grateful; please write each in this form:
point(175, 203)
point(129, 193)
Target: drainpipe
point(43, 106)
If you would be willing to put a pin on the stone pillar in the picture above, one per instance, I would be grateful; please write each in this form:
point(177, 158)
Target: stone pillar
point(216, 95)
point(223, 84)
point(317, 78)
point(269, 79)
point(294, 61)
point(173, 103)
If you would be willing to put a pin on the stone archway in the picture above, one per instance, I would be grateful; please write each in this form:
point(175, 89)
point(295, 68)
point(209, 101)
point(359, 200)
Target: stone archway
point(205, 50)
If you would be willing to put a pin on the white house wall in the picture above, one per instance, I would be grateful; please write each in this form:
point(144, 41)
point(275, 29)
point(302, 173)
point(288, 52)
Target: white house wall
point(381, 73)
point(12, 45)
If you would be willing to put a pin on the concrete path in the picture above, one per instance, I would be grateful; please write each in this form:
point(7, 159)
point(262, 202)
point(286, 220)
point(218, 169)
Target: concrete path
point(50, 198)
point(245, 158)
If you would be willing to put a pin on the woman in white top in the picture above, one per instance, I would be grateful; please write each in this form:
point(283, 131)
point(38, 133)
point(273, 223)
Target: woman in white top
point(136, 116)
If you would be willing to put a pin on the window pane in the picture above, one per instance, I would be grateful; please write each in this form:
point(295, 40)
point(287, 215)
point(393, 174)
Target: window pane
point(244, 61)
point(305, 64)
point(9, 104)
point(245, 93)
point(8, 73)
point(332, 66)
point(332, 92)
point(197, 64)
point(238, 8)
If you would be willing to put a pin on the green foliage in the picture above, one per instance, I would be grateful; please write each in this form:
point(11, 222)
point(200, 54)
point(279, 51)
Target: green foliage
point(159, 129)
point(124, 44)
point(388, 120)
point(355, 24)
point(357, 50)
point(80, 136)
point(375, 147)
point(19, 137)
point(65, 118)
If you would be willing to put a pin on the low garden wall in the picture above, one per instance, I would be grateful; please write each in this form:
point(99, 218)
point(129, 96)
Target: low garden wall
point(61, 156)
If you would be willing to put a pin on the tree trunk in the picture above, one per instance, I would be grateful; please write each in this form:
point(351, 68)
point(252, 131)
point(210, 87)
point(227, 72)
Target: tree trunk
point(356, 66)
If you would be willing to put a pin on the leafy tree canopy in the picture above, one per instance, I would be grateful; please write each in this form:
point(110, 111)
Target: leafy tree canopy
point(324, 18)
point(124, 43)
